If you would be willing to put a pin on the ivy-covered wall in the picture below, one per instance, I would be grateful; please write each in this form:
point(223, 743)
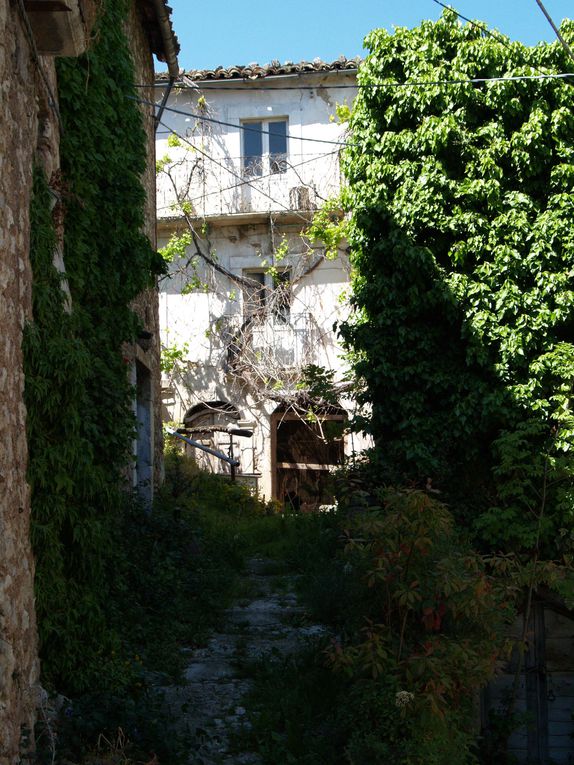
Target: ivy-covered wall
point(78, 394)
point(462, 200)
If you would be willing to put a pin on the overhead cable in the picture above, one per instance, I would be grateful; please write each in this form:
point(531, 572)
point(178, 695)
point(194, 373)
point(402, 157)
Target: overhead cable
point(483, 28)
point(236, 175)
point(248, 85)
point(239, 126)
point(563, 42)
point(259, 177)
point(371, 85)
point(410, 84)
point(477, 80)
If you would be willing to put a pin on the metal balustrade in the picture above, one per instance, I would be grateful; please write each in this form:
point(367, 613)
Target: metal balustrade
point(271, 343)
point(212, 189)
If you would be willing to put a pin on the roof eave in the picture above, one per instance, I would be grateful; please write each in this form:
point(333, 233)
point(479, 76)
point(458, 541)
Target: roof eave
point(170, 43)
point(256, 73)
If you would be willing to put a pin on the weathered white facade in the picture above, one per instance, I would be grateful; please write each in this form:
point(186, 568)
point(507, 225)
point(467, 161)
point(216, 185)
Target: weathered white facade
point(251, 302)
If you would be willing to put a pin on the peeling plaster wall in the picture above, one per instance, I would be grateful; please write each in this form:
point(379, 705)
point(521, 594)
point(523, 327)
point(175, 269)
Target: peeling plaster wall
point(311, 116)
point(245, 221)
point(23, 104)
point(190, 319)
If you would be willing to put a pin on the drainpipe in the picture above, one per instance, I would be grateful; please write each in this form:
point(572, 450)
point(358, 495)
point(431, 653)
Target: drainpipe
point(170, 49)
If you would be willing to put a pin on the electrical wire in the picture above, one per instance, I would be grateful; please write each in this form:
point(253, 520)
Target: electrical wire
point(236, 175)
point(483, 28)
point(372, 85)
point(259, 177)
point(550, 20)
point(476, 80)
point(423, 83)
point(412, 84)
point(202, 118)
point(219, 85)
point(247, 83)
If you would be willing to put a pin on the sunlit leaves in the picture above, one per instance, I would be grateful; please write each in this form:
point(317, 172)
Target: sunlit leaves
point(461, 201)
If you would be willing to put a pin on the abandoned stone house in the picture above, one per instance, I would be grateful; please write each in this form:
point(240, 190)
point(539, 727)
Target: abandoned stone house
point(250, 302)
point(247, 154)
point(32, 35)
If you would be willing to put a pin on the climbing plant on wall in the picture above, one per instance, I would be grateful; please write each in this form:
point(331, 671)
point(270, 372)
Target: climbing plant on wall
point(461, 233)
point(78, 395)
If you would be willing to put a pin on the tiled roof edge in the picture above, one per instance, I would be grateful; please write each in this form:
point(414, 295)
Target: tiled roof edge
point(274, 69)
point(151, 16)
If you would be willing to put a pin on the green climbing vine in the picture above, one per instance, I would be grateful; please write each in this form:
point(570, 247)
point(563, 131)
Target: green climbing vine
point(461, 200)
point(78, 394)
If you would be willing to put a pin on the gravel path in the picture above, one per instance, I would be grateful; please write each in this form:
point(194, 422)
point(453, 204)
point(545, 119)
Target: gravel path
point(209, 706)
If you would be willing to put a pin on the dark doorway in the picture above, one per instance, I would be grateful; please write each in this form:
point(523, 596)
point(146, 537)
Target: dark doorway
point(303, 455)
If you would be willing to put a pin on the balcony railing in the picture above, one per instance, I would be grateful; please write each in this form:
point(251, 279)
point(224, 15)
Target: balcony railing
point(269, 344)
point(223, 187)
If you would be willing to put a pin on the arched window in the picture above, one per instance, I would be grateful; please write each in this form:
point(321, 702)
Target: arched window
point(208, 422)
point(210, 414)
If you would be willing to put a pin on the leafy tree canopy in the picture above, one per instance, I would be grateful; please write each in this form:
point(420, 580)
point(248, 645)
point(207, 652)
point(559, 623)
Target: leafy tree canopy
point(462, 242)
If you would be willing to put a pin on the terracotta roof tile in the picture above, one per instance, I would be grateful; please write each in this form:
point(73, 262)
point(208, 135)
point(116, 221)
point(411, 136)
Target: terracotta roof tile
point(273, 69)
point(153, 30)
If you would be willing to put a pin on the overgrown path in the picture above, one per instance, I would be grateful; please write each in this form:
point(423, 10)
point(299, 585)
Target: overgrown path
point(208, 709)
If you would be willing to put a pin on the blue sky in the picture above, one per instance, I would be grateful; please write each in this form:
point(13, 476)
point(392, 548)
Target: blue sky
point(261, 30)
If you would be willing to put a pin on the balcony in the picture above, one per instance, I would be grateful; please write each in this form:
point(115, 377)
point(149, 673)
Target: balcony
point(220, 186)
point(270, 347)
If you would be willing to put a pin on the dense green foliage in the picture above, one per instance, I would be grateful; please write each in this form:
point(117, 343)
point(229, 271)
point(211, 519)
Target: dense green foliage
point(78, 395)
point(461, 199)
point(177, 569)
point(415, 622)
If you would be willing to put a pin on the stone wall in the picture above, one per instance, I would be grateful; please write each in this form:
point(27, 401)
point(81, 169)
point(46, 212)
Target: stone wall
point(29, 133)
point(146, 305)
point(26, 118)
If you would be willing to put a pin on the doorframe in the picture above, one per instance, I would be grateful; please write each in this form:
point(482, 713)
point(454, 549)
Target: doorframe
point(290, 417)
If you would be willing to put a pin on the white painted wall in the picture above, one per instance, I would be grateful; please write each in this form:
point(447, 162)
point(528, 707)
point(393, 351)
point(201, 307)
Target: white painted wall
point(311, 116)
point(245, 223)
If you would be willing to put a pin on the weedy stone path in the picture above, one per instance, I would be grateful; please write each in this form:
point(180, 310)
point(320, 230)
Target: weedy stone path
point(208, 708)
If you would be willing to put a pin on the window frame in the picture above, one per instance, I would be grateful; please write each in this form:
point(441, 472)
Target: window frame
point(256, 302)
point(259, 302)
point(281, 307)
point(270, 163)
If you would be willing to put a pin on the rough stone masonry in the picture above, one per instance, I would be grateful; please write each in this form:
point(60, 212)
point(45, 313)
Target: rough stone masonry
point(26, 118)
point(29, 134)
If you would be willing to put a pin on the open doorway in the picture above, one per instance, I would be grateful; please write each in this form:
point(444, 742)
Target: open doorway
point(304, 453)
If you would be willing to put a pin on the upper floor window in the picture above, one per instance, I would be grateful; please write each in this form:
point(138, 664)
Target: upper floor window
point(282, 296)
point(264, 146)
point(267, 295)
point(254, 293)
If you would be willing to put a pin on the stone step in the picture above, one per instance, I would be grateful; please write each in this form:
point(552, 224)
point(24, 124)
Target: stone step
point(210, 704)
point(265, 566)
point(210, 668)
